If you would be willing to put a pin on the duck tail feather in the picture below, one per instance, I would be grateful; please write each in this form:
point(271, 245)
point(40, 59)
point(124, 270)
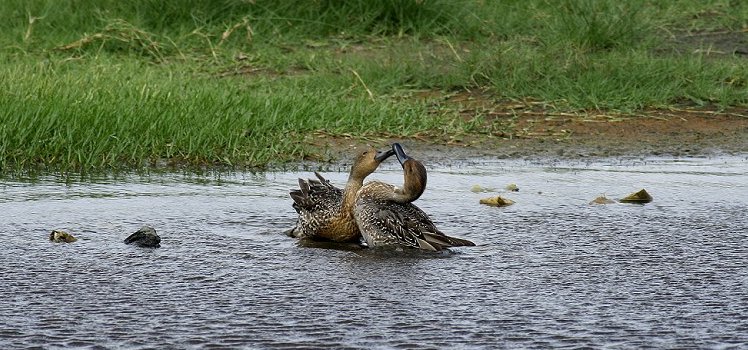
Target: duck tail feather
point(304, 186)
point(459, 242)
point(445, 241)
point(325, 182)
point(292, 232)
point(319, 176)
point(298, 197)
point(425, 245)
point(439, 242)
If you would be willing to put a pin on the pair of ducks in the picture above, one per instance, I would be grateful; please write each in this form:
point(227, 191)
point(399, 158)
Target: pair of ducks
point(382, 214)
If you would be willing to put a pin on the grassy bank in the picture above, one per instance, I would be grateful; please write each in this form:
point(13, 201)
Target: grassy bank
point(104, 84)
point(106, 116)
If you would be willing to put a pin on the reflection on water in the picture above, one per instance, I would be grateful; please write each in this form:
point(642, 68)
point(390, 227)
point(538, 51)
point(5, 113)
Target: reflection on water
point(549, 271)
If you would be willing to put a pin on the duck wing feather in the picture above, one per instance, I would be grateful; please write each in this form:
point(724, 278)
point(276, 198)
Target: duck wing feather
point(403, 224)
point(316, 201)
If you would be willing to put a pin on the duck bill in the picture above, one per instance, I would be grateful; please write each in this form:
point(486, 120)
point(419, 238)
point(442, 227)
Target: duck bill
point(382, 155)
point(401, 156)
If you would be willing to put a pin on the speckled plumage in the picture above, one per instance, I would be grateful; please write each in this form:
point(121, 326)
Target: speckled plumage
point(385, 222)
point(386, 215)
point(325, 211)
point(319, 205)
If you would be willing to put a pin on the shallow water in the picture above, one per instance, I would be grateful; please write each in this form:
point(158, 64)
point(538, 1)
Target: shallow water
point(550, 271)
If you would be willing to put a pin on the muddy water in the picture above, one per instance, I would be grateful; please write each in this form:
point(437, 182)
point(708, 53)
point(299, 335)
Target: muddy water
point(550, 271)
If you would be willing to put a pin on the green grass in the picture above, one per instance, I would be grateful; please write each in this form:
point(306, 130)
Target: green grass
point(106, 84)
point(52, 115)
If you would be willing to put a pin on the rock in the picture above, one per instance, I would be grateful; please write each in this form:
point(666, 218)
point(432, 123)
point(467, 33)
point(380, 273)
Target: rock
point(145, 237)
point(497, 201)
point(512, 188)
point(602, 200)
point(59, 236)
point(479, 188)
point(637, 197)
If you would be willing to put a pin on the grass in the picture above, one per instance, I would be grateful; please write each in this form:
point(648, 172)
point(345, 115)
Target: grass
point(96, 85)
point(168, 116)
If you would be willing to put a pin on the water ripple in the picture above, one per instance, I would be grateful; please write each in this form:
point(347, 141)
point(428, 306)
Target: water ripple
point(549, 272)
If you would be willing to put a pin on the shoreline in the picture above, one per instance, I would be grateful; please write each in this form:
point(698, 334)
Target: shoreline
point(577, 138)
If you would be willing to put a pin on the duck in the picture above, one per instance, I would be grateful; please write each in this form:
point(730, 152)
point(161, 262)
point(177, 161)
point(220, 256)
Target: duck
point(325, 211)
point(386, 215)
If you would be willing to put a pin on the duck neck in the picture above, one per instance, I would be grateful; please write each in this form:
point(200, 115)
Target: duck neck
point(407, 194)
point(349, 193)
point(401, 195)
point(414, 183)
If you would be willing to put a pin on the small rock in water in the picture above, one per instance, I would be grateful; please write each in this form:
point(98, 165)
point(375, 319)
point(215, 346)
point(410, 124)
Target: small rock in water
point(497, 201)
point(602, 200)
point(512, 188)
point(145, 237)
point(479, 188)
point(637, 197)
point(59, 236)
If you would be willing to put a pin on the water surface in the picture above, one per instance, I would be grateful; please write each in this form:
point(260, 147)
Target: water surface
point(549, 271)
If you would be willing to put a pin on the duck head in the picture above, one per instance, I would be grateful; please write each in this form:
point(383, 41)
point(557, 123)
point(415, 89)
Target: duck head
point(414, 173)
point(367, 161)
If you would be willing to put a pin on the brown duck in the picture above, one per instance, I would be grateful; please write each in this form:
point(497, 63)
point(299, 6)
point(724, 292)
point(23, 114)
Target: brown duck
point(386, 215)
point(325, 211)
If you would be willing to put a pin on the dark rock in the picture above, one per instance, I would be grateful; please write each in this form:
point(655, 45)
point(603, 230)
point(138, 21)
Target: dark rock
point(145, 237)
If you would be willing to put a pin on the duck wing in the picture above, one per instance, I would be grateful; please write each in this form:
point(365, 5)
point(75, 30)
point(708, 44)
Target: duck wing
point(315, 195)
point(316, 201)
point(391, 223)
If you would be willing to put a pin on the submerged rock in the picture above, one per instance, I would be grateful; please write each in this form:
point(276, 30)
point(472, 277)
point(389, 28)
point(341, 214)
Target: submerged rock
point(637, 197)
point(478, 188)
point(497, 201)
point(512, 187)
point(602, 200)
point(145, 237)
point(59, 236)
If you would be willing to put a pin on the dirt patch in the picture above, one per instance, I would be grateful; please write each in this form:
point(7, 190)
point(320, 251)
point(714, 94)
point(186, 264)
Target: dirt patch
point(528, 129)
point(565, 138)
point(710, 43)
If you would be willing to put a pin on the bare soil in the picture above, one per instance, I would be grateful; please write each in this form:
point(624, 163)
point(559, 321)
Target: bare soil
point(530, 130)
point(714, 44)
point(653, 134)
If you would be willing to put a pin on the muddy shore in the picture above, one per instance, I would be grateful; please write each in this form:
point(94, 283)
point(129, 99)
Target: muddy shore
point(548, 136)
point(572, 137)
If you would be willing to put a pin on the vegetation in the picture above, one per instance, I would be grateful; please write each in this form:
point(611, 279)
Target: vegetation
point(109, 84)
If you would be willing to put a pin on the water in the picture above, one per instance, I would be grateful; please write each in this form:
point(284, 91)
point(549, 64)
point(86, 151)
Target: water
point(551, 271)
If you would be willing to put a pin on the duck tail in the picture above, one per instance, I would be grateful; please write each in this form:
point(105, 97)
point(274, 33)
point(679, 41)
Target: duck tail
point(324, 182)
point(459, 242)
point(435, 241)
point(301, 196)
point(292, 232)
